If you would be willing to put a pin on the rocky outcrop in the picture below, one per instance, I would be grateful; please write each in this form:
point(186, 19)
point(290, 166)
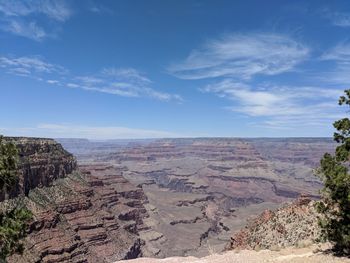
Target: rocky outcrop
point(42, 161)
point(294, 224)
point(85, 214)
point(75, 222)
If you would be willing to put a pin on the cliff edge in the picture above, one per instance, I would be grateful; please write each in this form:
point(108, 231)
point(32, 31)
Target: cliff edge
point(80, 214)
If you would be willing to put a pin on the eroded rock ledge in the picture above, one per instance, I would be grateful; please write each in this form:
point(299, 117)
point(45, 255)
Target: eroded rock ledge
point(42, 161)
point(85, 214)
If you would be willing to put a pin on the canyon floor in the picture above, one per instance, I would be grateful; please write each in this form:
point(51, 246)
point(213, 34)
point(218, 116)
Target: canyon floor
point(201, 191)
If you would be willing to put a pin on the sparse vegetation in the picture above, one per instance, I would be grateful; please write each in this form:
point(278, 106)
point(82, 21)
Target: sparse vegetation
point(13, 223)
point(8, 165)
point(335, 203)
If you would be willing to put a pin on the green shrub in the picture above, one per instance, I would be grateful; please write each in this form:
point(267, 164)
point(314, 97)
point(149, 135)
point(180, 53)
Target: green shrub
point(335, 202)
point(13, 223)
point(8, 164)
point(13, 226)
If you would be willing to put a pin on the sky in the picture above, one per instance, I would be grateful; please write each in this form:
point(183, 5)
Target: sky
point(172, 68)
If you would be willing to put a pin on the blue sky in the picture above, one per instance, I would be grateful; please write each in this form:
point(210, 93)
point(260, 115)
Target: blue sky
point(142, 69)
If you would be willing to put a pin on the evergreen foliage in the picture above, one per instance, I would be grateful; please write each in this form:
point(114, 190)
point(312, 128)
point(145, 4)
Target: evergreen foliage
point(334, 171)
point(13, 223)
point(8, 164)
point(13, 226)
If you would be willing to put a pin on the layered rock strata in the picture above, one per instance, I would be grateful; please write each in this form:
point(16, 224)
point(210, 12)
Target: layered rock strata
point(90, 214)
point(200, 190)
point(41, 162)
point(294, 224)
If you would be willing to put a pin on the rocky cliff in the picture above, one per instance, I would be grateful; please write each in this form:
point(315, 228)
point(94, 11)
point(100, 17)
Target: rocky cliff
point(86, 214)
point(201, 190)
point(294, 224)
point(42, 161)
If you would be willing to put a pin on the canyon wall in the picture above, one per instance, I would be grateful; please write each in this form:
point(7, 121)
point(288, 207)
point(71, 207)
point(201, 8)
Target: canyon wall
point(41, 162)
point(86, 214)
point(201, 190)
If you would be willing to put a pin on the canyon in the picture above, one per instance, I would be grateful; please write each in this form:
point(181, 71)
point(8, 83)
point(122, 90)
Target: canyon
point(119, 200)
point(202, 190)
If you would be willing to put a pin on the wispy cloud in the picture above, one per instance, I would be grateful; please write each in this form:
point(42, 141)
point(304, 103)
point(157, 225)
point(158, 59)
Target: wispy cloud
point(340, 52)
point(242, 56)
point(28, 66)
point(57, 10)
point(20, 17)
point(127, 82)
point(339, 57)
point(279, 105)
point(337, 18)
point(235, 60)
point(31, 30)
point(89, 132)
point(98, 8)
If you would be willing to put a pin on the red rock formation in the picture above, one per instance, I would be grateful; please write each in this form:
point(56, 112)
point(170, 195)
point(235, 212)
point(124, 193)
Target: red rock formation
point(288, 226)
point(42, 161)
point(87, 215)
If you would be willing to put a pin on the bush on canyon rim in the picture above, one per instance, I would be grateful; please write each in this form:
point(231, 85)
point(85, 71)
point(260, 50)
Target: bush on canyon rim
point(334, 171)
point(8, 164)
point(13, 223)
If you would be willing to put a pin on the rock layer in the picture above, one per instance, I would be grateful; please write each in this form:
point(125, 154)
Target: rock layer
point(294, 224)
point(200, 190)
point(42, 161)
point(90, 214)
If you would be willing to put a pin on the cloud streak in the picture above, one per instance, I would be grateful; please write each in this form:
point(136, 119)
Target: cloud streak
point(20, 17)
point(340, 19)
point(28, 65)
point(242, 56)
point(234, 61)
point(280, 105)
point(127, 82)
point(339, 59)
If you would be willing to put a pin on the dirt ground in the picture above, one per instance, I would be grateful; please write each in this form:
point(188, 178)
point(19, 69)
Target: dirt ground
point(312, 254)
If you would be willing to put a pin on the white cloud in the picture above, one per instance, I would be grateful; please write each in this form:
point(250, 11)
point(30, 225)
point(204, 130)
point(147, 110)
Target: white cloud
point(242, 56)
point(280, 105)
point(28, 66)
point(338, 18)
point(126, 74)
point(125, 82)
point(29, 30)
point(20, 17)
point(52, 81)
point(340, 52)
point(57, 10)
point(339, 73)
point(89, 132)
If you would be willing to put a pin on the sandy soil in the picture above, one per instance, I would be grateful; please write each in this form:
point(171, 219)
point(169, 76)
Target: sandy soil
point(310, 254)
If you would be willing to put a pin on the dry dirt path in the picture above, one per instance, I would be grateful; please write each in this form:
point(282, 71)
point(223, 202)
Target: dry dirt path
point(293, 255)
